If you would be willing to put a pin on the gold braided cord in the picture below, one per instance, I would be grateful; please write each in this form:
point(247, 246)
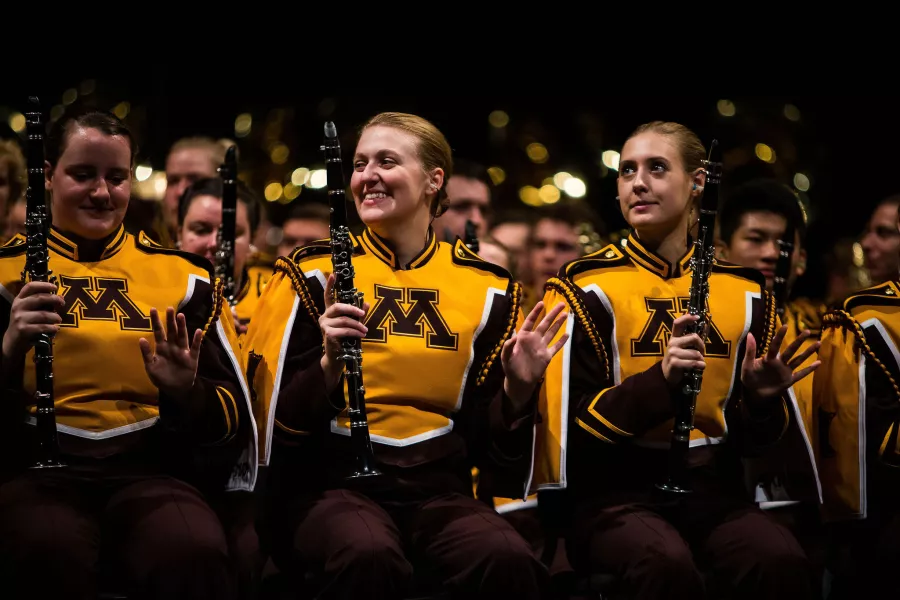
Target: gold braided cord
point(217, 299)
point(565, 289)
point(841, 318)
point(770, 321)
point(514, 305)
point(298, 281)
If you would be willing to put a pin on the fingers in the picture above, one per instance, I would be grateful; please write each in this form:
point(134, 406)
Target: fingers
point(775, 345)
point(40, 301)
point(195, 344)
point(559, 344)
point(557, 324)
point(531, 319)
point(158, 334)
point(507, 349)
point(329, 291)
point(182, 331)
point(337, 310)
point(681, 323)
point(685, 358)
point(788, 352)
point(804, 372)
point(750, 354)
point(146, 352)
point(171, 332)
point(549, 319)
point(31, 331)
point(37, 287)
point(799, 360)
point(38, 317)
point(691, 341)
point(344, 327)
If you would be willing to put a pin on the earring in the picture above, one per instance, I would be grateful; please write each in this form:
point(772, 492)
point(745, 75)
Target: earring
point(617, 198)
point(695, 186)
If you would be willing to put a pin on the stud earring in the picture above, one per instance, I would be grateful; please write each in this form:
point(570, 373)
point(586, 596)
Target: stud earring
point(695, 186)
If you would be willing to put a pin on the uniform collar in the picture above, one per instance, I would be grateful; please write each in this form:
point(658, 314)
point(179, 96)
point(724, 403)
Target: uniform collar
point(382, 250)
point(58, 241)
point(656, 263)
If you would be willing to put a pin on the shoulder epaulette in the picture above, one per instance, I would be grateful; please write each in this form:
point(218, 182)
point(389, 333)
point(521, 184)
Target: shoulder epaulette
point(885, 294)
point(465, 257)
point(147, 245)
point(14, 246)
point(770, 318)
point(316, 248)
point(298, 281)
point(721, 266)
point(568, 290)
point(842, 319)
point(604, 258)
point(514, 293)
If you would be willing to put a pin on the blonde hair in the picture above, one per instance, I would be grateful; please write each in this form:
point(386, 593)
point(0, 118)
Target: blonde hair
point(689, 145)
point(432, 148)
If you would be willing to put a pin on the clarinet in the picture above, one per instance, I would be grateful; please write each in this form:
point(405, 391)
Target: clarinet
point(471, 237)
point(37, 269)
point(783, 270)
point(224, 267)
point(346, 293)
point(701, 266)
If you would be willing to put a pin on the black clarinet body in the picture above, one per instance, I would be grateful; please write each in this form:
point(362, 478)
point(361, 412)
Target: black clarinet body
point(224, 264)
point(701, 267)
point(471, 240)
point(346, 293)
point(783, 270)
point(37, 268)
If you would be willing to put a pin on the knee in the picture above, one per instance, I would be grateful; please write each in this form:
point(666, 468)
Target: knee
point(781, 559)
point(197, 547)
point(665, 561)
point(372, 555)
point(505, 551)
point(50, 543)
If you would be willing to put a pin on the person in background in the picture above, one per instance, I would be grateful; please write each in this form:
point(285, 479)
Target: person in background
point(881, 242)
point(305, 224)
point(512, 228)
point(199, 220)
point(12, 185)
point(469, 192)
point(189, 159)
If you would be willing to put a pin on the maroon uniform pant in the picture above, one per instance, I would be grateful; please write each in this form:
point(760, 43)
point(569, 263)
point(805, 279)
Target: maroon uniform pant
point(347, 545)
point(155, 537)
point(664, 551)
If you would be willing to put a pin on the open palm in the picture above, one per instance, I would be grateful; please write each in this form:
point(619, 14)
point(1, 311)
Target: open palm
point(526, 355)
point(172, 367)
point(772, 374)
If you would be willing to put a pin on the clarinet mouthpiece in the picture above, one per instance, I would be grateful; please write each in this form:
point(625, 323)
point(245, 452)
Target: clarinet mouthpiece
point(330, 130)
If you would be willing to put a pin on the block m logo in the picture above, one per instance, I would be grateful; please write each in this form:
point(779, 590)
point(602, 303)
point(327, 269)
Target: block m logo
point(100, 299)
point(658, 329)
point(408, 312)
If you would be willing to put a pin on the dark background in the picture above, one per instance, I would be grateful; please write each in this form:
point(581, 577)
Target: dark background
point(846, 146)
